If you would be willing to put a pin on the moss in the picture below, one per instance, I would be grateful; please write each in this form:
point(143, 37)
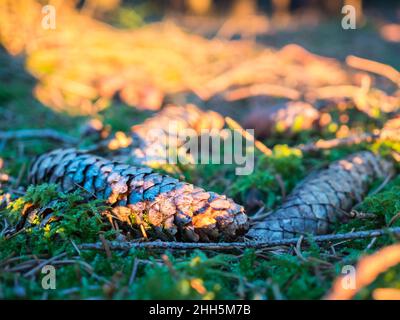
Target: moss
point(285, 162)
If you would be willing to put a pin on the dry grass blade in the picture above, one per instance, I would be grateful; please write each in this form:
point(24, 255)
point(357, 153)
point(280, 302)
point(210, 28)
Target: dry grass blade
point(386, 294)
point(368, 268)
point(259, 145)
point(374, 67)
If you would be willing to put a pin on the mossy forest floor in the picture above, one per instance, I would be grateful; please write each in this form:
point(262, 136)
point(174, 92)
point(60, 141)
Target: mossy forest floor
point(282, 273)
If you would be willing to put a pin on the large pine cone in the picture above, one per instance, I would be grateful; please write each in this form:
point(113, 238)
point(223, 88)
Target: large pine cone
point(323, 198)
point(171, 208)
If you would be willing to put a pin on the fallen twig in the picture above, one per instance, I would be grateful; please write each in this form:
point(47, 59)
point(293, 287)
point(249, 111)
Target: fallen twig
point(374, 67)
point(41, 265)
point(115, 245)
point(334, 91)
point(263, 89)
point(338, 142)
point(390, 131)
point(38, 134)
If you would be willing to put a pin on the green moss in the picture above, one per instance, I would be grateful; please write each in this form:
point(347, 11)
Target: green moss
point(285, 164)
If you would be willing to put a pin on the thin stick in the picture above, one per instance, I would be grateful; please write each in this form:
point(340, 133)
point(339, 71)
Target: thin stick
point(262, 89)
point(338, 142)
point(338, 91)
point(115, 245)
point(106, 247)
point(41, 265)
point(134, 270)
point(38, 134)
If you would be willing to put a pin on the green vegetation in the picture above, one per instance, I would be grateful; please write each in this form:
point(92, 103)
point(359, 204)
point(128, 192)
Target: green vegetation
point(305, 272)
point(168, 275)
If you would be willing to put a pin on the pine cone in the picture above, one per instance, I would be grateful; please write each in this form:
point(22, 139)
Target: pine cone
point(148, 143)
point(173, 209)
point(323, 198)
point(287, 118)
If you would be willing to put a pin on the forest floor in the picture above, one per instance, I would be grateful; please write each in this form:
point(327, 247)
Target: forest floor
point(305, 271)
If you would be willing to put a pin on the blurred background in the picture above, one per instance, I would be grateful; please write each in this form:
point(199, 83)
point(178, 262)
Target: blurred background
point(146, 53)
